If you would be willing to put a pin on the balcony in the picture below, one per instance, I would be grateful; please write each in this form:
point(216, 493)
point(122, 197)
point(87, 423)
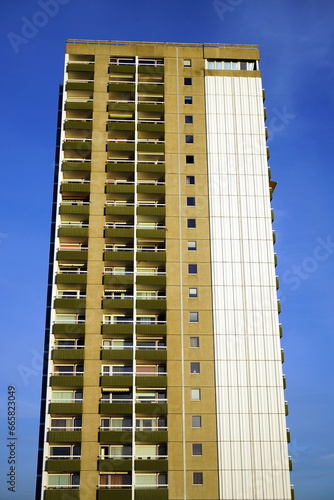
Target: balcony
point(67, 376)
point(70, 435)
point(80, 66)
point(74, 324)
point(123, 105)
point(114, 302)
point(117, 229)
point(62, 492)
point(74, 207)
point(73, 229)
point(69, 275)
point(82, 124)
point(119, 208)
point(121, 145)
point(78, 104)
point(75, 186)
point(71, 406)
point(75, 165)
point(151, 187)
point(151, 208)
point(77, 143)
point(119, 165)
point(76, 353)
point(120, 186)
point(113, 407)
point(119, 253)
point(65, 464)
point(75, 251)
point(121, 86)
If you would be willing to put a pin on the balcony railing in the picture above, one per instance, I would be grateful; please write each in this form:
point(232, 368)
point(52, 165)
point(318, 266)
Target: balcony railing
point(74, 224)
point(74, 271)
point(78, 248)
point(62, 429)
point(69, 400)
point(72, 374)
point(140, 271)
point(129, 321)
point(74, 202)
point(150, 162)
point(69, 320)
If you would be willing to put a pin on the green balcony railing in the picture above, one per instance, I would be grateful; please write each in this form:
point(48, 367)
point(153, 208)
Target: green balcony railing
point(78, 124)
point(61, 494)
point(66, 381)
point(117, 354)
point(70, 303)
point(117, 408)
point(119, 256)
point(115, 166)
point(69, 354)
point(115, 436)
point(65, 465)
point(64, 436)
point(117, 303)
point(73, 209)
point(84, 165)
point(119, 210)
point(65, 408)
point(71, 278)
point(79, 105)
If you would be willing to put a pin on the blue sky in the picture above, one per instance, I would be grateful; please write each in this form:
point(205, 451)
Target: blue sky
point(296, 39)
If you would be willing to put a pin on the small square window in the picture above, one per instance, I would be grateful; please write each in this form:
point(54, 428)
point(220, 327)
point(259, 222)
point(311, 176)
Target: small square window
point(194, 341)
point(187, 81)
point(243, 65)
point(196, 421)
point(191, 223)
point(190, 179)
point(188, 119)
point(193, 317)
point(192, 268)
point(196, 449)
point(195, 394)
point(190, 159)
point(195, 368)
point(197, 477)
point(191, 202)
point(189, 139)
point(192, 245)
point(187, 63)
point(188, 99)
point(192, 293)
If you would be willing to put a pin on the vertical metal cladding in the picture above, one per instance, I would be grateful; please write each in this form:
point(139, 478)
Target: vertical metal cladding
point(250, 405)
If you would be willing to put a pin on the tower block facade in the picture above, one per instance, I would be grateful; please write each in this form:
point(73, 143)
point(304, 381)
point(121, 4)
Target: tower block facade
point(163, 372)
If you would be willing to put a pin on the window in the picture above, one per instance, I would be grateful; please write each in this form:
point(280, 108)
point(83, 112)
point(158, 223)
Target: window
point(64, 479)
point(189, 139)
point(192, 268)
point(231, 65)
point(187, 81)
point(187, 63)
point(188, 99)
point(188, 119)
point(195, 394)
point(191, 201)
point(194, 341)
point(190, 159)
point(192, 293)
point(197, 477)
point(191, 223)
point(192, 245)
point(196, 449)
point(193, 317)
point(196, 421)
point(195, 368)
point(190, 179)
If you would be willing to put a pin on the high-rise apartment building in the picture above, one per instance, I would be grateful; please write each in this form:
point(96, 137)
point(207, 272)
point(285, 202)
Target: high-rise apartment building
point(163, 377)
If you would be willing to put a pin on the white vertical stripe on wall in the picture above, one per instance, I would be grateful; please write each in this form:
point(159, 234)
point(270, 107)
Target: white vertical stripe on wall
point(251, 428)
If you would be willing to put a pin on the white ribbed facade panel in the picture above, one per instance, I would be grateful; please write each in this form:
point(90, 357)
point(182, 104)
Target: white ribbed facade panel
point(252, 448)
